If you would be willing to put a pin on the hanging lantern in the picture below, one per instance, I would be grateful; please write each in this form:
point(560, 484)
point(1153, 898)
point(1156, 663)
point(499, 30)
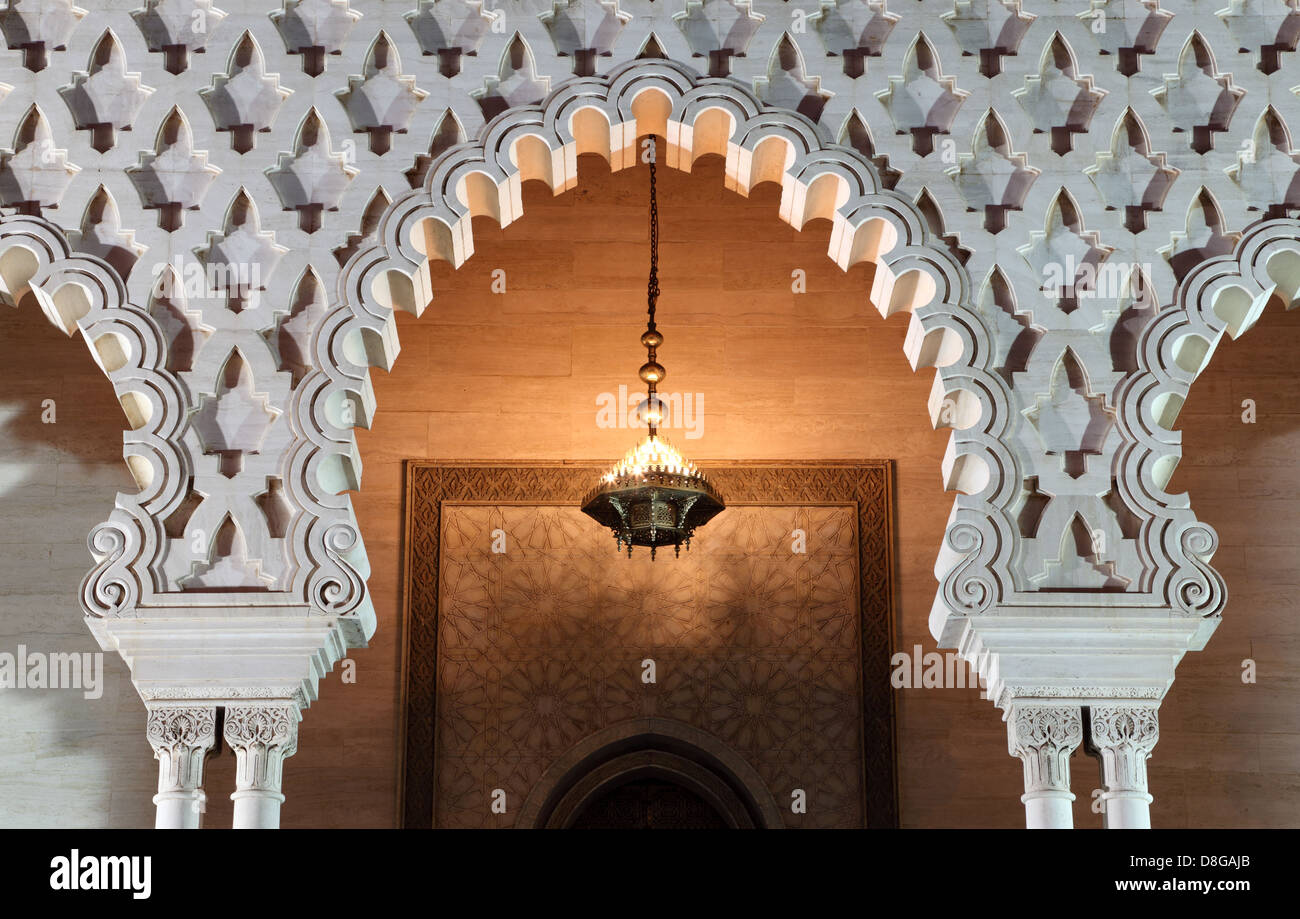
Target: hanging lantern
point(654, 496)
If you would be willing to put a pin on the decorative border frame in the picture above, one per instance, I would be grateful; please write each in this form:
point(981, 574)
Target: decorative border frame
point(870, 484)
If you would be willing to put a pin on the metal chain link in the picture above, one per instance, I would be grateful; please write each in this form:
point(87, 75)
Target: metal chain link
point(652, 290)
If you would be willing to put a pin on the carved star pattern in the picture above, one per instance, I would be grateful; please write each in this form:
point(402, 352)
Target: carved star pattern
point(539, 646)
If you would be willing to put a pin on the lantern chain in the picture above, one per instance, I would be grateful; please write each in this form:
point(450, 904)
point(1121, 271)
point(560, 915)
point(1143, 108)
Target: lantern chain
point(652, 291)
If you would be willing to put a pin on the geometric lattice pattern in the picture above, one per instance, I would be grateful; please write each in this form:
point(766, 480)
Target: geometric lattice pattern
point(226, 161)
point(540, 649)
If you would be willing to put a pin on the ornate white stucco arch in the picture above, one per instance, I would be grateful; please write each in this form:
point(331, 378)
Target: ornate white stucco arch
point(1221, 296)
point(698, 116)
point(127, 597)
point(80, 292)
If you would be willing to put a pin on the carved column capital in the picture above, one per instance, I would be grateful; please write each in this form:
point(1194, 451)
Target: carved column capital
point(182, 737)
point(1044, 736)
point(1122, 737)
point(262, 736)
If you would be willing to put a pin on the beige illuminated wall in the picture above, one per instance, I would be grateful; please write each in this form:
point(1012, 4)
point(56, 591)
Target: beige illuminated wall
point(65, 760)
point(516, 376)
point(783, 375)
point(1229, 752)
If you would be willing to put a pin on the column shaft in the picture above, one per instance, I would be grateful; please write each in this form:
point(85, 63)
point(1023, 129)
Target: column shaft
point(182, 737)
point(262, 736)
point(1122, 737)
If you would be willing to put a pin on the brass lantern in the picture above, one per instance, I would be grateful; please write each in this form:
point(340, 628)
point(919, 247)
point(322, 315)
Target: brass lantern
point(654, 496)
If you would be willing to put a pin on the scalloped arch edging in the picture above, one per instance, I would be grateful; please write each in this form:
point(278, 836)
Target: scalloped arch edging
point(697, 116)
point(81, 292)
point(1224, 295)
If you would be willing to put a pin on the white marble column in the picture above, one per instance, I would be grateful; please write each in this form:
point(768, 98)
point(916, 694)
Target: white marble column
point(1122, 737)
point(182, 737)
point(1044, 736)
point(262, 736)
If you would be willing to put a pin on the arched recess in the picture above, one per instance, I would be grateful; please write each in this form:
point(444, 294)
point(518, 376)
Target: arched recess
point(650, 747)
point(125, 596)
point(84, 292)
point(697, 116)
point(1222, 295)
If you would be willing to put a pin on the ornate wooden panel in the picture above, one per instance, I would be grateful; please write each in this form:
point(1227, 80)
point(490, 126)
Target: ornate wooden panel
point(510, 658)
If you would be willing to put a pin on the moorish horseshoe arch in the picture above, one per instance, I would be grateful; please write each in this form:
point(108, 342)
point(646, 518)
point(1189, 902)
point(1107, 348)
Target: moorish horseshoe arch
point(698, 116)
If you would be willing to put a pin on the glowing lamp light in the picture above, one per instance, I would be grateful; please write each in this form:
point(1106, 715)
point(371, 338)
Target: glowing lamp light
point(653, 496)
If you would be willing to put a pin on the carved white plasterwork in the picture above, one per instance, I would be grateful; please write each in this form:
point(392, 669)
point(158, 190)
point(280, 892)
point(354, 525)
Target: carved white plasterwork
point(606, 116)
point(263, 736)
point(229, 201)
point(83, 293)
point(1044, 737)
point(182, 737)
point(1123, 737)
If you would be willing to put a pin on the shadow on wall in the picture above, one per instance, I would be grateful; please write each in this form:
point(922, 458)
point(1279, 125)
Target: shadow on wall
point(66, 760)
point(1229, 750)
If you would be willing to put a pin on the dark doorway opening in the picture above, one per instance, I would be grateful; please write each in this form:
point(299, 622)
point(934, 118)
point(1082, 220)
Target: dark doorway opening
point(649, 804)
